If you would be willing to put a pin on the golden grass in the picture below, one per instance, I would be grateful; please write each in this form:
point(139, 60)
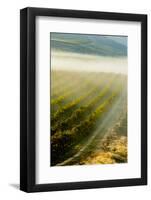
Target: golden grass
point(113, 149)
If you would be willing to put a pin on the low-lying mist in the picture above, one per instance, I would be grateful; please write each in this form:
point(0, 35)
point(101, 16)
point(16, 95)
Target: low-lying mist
point(83, 62)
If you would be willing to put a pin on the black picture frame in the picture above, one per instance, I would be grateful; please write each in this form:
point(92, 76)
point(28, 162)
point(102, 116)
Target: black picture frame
point(28, 99)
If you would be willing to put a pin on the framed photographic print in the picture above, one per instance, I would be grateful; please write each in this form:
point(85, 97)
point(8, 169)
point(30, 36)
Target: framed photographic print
point(83, 95)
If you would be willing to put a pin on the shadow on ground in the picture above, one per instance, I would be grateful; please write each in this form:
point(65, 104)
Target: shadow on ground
point(14, 185)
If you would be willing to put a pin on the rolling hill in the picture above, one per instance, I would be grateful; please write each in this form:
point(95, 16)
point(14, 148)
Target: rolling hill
point(88, 44)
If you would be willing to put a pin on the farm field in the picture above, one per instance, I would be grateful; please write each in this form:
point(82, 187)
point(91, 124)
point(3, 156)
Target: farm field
point(88, 118)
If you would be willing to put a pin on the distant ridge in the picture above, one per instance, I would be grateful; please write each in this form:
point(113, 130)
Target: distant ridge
point(90, 44)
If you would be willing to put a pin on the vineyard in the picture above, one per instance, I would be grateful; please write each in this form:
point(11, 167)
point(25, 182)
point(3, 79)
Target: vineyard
point(84, 107)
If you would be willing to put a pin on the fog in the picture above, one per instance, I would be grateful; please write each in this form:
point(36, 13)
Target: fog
point(76, 62)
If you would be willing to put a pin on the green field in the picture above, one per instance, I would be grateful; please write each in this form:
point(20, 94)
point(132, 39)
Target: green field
point(88, 118)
